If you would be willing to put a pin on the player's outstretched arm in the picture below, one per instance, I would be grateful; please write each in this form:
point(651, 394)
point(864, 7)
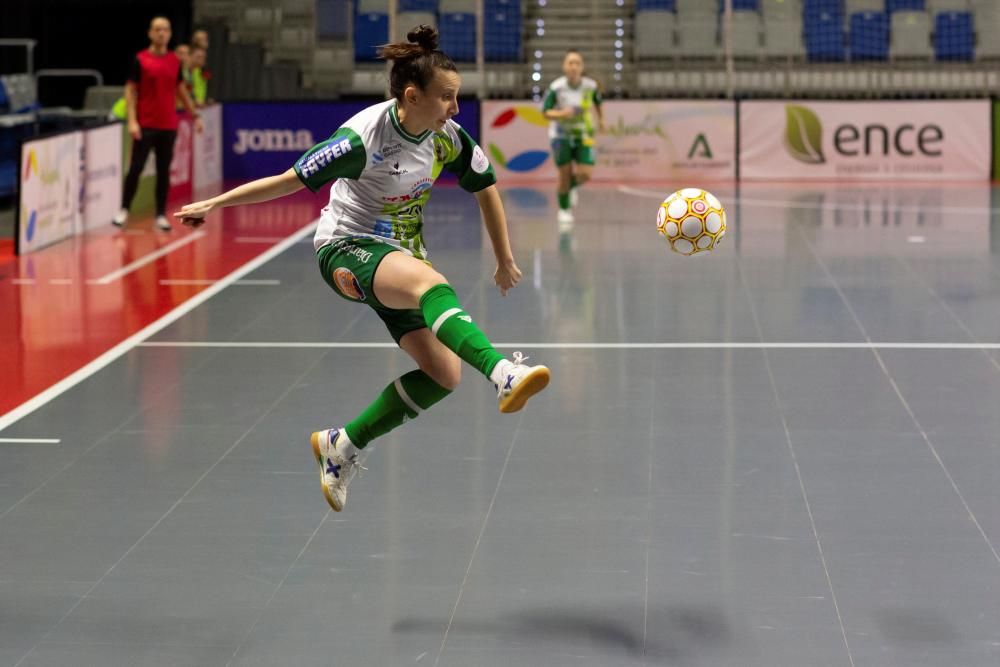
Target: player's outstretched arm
point(263, 189)
point(507, 274)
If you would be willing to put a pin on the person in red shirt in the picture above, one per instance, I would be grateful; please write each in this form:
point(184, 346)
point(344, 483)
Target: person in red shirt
point(154, 84)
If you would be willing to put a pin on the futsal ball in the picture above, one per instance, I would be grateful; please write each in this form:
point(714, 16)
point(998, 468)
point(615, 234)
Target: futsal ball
point(692, 220)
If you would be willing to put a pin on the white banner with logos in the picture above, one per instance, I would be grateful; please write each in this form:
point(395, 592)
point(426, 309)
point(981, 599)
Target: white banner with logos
point(102, 184)
point(68, 184)
point(673, 142)
point(915, 140)
point(49, 199)
point(207, 152)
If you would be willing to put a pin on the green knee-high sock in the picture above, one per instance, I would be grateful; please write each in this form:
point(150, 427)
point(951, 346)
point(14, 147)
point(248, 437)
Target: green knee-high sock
point(453, 327)
point(564, 200)
point(404, 399)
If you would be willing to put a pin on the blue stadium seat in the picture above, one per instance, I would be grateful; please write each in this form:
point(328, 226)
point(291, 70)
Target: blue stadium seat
point(667, 5)
point(904, 5)
point(824, 36)
point(458, 36)
point(869, 37)
point(511, 8)
point(370, 30)
point(741, 5)
point(418, 6)
point(954, 37)
point(502, 38)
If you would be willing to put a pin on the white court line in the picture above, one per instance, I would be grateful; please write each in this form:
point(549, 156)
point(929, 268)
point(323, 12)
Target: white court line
point(151, 257)
point(826, 205)
point(596, 346)
point(30, 441)
point(208, 281)
point(135, 339)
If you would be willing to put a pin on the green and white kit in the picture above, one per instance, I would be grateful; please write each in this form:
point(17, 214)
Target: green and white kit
point(383, 178)
point(573, 138)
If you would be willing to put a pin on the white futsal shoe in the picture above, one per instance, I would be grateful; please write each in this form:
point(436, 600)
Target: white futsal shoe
point(520, 383)
point(565, 218)
point(335, 470)
point(163, 224)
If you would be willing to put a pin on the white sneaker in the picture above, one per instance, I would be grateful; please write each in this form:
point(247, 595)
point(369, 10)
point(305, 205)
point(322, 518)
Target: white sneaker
point(121, 218)
point(163, 224)
point(565, 218)
point(521, 383)
point(335, 471)
point(574, 196)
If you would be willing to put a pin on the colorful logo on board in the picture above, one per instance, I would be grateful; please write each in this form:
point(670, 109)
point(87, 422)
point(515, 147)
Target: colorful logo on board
point(528, 160)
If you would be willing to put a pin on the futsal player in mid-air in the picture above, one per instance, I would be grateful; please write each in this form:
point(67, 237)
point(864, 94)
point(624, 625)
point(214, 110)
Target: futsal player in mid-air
point(370, 245)
point(568, 104)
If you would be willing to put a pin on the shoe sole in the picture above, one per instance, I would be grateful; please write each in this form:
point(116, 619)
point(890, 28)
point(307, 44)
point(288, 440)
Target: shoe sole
point(530, 384)
point(314, 441)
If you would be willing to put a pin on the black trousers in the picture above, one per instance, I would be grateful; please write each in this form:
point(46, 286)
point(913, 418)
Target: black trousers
point(162, 141)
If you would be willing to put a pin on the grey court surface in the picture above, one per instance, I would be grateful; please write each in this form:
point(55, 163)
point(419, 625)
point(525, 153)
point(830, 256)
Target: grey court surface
point(785, 453)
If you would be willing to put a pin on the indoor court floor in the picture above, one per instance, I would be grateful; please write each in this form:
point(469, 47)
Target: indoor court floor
point(785, 453)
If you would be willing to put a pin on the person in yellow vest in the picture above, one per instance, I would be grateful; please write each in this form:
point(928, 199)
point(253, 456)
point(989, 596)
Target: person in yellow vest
point(200, 76)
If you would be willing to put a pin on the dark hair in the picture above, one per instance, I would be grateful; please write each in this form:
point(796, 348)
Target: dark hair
point(415, 60)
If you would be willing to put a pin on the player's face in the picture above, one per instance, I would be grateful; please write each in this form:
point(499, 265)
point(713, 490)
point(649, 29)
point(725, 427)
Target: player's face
point(573, 66)
point(159, 33)
point(439, 102)
point(183, 53)
point(197, 58)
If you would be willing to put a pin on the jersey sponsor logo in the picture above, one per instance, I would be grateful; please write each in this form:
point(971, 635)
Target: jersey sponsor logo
point(396, 171)
point(269, 141)
point(321, 158)
point(479, 162)
point(377, 158)
point(348, 284)
point(388, 150)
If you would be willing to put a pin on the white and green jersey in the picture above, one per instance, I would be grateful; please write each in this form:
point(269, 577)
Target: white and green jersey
point(384, 176)
point(584, 97)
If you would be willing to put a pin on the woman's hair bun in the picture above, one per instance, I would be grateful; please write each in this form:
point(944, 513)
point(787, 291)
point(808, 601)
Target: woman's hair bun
point(424, 35)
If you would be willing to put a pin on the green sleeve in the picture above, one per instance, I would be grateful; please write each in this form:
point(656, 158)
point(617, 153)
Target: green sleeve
point(473, 169)
point(340, 156)
point(550, 100)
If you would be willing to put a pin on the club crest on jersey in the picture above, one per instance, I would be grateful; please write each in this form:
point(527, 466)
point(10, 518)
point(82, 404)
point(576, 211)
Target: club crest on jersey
point(347, 284)
point(440, 151)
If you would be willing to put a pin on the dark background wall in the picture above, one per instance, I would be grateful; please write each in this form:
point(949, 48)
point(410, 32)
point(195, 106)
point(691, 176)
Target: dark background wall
point(97, 34)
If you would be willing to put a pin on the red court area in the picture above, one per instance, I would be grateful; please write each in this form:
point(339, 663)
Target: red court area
point(63, 306)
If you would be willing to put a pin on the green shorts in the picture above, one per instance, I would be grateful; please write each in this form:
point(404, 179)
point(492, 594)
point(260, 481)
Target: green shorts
point(573, 149)
point(348, 266)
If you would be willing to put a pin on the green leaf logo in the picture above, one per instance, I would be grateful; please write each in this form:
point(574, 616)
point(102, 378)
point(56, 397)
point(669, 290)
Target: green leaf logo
point(497, 154)
point(803, 135)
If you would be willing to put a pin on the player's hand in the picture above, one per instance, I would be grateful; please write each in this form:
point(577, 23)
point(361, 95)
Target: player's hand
point(135, 130)
point(193, 215)
point(199, 126)
point(506, 276)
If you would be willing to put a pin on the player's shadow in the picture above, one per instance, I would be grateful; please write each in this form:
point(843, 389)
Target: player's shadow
point(672, 632)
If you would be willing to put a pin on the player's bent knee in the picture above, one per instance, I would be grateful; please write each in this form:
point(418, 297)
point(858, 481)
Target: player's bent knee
point(426, 281)
point(448, 374)
point(582, 177)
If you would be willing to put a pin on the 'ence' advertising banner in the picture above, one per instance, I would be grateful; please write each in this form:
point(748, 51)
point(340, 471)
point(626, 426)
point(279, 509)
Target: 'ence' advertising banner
point(102, 185)
point(804, 140)
point(263, 139)
point(50, 188)
point(666, 141)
